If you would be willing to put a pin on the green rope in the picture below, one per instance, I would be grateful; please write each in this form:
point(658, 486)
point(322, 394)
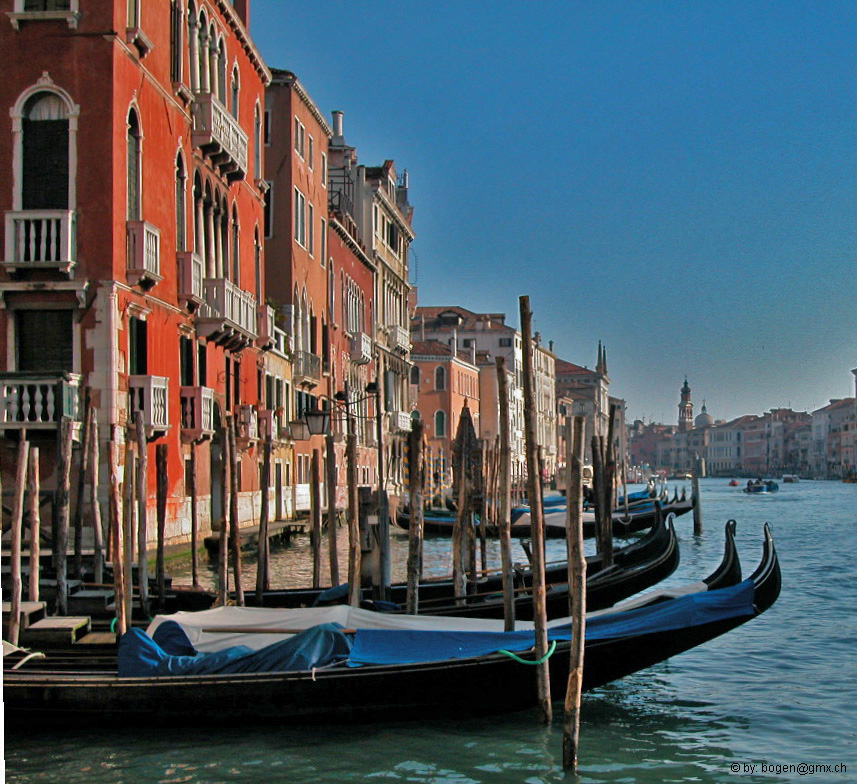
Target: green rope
point(113, 624)
point(544, 658)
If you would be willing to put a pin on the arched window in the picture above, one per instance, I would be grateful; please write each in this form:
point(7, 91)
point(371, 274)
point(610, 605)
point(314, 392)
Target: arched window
point(235, 89)
point(236, 257)
point(257, 144)
point(45, 153)
point(134, 167)
point(415, 375)
point(222, 68)
point(440, 377)
point(177, 42)
point(440, 424)
point(257, 255)
point(181, 204)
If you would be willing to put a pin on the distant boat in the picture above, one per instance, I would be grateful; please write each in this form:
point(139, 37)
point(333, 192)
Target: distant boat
point(734, 483)
point(791, 478)
point(759, 486)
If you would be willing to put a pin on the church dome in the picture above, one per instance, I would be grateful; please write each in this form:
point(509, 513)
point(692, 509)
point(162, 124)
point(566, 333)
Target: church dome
point(703, 419)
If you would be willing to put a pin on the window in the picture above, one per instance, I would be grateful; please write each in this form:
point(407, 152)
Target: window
point(138, 353)
point(234, 249)
point(177, 42)
point(269, 200)
point(181, 205)
point(134, 166)
point(236, 85)
point(323, 170)
point(300, 218)
point(133, 13)
point(257, 144)
point(257, 251)
point(505, 342)
point(415, 375)
point(45, 153)
point(440, 424)
point(310, 152)
point(43, 340)
point(186, 361)
point(300, 138)
point(266, 130)
point(322, 241)
point(440, 378)
point(310, 229)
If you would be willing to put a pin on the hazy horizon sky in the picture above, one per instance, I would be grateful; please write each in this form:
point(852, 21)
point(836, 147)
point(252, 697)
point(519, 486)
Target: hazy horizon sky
point(677, 180)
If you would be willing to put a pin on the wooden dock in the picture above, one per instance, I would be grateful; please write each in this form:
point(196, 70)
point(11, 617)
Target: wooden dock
point(279, 532)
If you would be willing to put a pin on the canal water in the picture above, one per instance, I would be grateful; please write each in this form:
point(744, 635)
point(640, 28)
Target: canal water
point(773, 700)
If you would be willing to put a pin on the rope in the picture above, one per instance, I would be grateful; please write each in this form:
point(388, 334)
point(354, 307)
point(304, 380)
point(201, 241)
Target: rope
point(544, 658)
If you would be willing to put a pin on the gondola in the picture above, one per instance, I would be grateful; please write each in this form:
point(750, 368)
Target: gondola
point(636, 520)
point(635, 568)
point(386, 667)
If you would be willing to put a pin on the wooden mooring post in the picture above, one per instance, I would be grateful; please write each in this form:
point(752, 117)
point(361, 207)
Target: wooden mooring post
point(116, 554)
point(330, 483)
point(128, 510)
point(223, 549)
point(534, 493)
point(95, 505)
point(315, 509)
point(194, 518)
point(62, 514)
point(263, 548)
point(355, 554)
point(504, 493)
point(15, 543)
point(415, 529)
point(574, 439)
point(234, 534)
point(142, 487)
point(81, 487)
point(161, 456)
point(35, 522)
point(696, 498)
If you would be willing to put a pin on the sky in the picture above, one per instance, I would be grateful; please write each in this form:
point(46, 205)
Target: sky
point(677, 180)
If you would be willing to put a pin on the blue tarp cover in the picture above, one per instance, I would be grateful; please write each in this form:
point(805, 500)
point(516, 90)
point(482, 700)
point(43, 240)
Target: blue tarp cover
point(141, 656)
point(388, 646)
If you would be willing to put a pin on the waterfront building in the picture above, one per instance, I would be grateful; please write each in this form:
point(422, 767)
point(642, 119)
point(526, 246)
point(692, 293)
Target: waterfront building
point(590, 391)
point(443, 381)
point(831, 425)
point(384, 216)
point(351, 290)
point(133, 233)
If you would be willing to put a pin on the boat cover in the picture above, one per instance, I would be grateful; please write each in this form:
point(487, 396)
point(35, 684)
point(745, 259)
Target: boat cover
point(374, 646)
point(439, 639)
point(170, 652)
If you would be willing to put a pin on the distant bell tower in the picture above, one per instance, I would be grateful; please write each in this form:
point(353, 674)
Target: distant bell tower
point(685, 409)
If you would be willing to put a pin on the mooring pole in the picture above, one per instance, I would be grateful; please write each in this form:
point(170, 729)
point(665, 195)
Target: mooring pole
point(696, 498)
point(34, 516)
point(536, 518)
point(574, 440)
point(504, 467)
point(62, 506)
point(415, 529)
point(315, 530)
point(15, 543)
point(142, 482)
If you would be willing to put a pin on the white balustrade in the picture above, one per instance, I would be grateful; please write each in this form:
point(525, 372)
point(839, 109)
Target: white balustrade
point(40, 238)
point(150, 394)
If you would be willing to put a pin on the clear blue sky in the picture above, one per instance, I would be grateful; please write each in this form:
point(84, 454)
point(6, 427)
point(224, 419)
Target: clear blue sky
point(678, 180)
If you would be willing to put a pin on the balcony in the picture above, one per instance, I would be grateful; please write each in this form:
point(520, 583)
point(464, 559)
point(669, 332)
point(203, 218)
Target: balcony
point(144, 254)
point(400, 339)
point(38, 401)
point(271, 422)
point(246, 426)
point(306, 368)
point(220, 136)
point(400, 422)
point(41, 239)
point(150, 394)
point(228, 315)
point(197, 413)
point(282, 341)
point(361, 348)
point(191, 273)
point(265, 328)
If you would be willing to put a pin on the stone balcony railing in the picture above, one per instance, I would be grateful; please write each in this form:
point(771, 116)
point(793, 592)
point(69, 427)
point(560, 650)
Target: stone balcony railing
point(306, 368)
point(220, 135)
point(400, 421)
point(361, 348)
point(246, 425)
point(41, 239)
point(151, 395)
point(228, 314)
point(144, 254)
point(38, 401)
point(400, 339)
point(191, 274)
point(197, 413)
point(265, 328)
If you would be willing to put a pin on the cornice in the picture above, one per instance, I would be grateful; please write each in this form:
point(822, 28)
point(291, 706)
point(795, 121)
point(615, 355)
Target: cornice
point(287, 77)
point(243, 35)
point(351, 243)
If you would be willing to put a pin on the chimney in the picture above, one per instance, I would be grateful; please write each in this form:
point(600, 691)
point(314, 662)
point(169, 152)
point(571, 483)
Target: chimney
point(242, 8)
point(550, 346)
point(338, 136)
point(423, 327)
point(473, 353)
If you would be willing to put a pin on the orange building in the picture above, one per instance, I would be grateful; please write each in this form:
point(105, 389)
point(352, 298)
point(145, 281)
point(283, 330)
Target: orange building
point(133, 230)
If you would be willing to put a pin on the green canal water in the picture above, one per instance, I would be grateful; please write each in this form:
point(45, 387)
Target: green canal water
point(778, 692)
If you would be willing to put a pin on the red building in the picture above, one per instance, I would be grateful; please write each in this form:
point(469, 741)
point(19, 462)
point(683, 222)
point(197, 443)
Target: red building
point(133, 230)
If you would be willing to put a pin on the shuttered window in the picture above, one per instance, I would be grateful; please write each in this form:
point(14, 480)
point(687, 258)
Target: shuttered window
point(45, 154)
point(134, 146)
point(44, 341)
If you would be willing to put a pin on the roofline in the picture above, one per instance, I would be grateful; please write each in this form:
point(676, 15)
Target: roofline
point(282, 76)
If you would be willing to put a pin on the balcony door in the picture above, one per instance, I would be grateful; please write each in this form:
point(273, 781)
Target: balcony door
point(44, 341)
point(45, 149)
